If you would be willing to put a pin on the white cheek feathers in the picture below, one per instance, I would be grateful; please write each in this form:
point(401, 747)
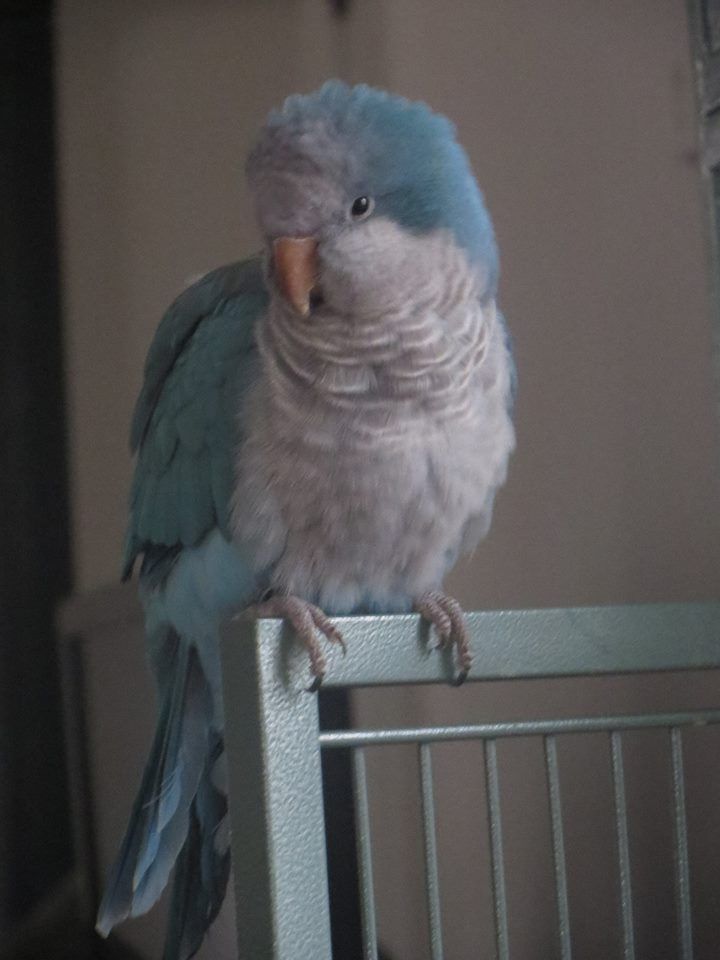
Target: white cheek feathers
point(378, 267)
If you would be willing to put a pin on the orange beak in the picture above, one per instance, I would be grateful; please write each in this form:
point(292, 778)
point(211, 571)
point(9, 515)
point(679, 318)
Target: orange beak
point(296, 270)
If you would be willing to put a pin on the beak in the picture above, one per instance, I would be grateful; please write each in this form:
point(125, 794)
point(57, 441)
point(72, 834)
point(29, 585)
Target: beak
point(296, 270)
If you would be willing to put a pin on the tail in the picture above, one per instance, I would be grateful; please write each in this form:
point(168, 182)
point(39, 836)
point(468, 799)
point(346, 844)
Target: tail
point(165, 813)
point(203, 866)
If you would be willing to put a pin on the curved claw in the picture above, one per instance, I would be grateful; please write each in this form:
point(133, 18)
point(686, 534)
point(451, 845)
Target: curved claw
point(335, 637)
point(446, 615)
point(461, 677)
point(325, 625)
point(305, 619)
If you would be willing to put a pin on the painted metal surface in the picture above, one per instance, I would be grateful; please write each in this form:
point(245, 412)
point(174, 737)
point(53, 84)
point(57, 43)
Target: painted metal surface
point(432, 880)
point(682, 866)
point(367, 893)
point(558, 846)
point(511, 644)
point(492, 788)
point(276, 807)
point(518, 728)
point(623, 845)
point(274, 756)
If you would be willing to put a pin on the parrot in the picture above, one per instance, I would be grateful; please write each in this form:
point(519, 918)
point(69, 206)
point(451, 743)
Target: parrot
point(321, 431)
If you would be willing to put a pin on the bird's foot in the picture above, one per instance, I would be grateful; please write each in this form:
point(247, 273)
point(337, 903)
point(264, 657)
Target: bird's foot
point(446, 615)
point(306, 620)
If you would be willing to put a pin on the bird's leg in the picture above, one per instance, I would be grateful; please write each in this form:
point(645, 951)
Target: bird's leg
point(446, 615)
point(306, 619)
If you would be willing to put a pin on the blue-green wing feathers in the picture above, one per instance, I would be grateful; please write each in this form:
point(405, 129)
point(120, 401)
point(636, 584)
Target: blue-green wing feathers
point(186, 419)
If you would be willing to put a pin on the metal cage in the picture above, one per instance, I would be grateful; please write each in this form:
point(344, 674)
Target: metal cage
point(274, 749)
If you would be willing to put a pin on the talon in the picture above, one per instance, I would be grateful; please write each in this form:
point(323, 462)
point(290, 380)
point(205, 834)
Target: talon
point(446, 615)
point(461, 678)
point(333, 635)
point(305, 618)
point(326, 626)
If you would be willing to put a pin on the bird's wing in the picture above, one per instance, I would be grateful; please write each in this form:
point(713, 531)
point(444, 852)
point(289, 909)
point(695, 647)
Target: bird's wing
point(185, 425)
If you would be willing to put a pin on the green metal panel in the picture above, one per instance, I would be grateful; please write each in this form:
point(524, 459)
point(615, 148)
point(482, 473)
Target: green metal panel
point(273, 751)
point(511, 644)
point(278, 837)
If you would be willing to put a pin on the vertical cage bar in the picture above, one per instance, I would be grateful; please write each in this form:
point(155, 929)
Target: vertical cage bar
point(432, 883)
point(497, 860)
point(623, 845)
point(558, 845)
point(682, 867)
point(367, 892)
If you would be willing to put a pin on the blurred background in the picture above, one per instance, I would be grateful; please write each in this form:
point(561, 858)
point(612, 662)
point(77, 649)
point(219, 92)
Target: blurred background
point(125, 124)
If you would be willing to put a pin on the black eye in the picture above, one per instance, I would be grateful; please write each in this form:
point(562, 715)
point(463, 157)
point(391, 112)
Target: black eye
point(361, 207)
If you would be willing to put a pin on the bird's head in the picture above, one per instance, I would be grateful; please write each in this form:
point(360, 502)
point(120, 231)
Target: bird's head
point(359, 195)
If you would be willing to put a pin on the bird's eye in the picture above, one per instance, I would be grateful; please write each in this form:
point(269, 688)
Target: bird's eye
point(361, 208)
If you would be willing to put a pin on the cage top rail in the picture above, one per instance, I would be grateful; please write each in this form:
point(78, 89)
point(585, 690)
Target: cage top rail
point(507, 644)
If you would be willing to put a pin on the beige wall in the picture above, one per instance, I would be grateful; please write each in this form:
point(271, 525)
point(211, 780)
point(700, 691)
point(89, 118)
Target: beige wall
point(579, 119)
point(158, 102)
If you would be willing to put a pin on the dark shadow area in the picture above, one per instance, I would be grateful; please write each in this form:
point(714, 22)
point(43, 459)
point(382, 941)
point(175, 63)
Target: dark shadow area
point(35, 839)
point(345, 917)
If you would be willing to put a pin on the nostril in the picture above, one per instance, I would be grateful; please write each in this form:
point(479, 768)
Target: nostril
point(316, 298)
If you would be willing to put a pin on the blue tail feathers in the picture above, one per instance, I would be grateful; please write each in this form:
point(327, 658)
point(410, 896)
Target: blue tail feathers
point(169, 809)
point(202, 869)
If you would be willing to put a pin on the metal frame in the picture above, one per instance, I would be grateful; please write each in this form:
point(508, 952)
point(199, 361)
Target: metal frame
point(274, 743)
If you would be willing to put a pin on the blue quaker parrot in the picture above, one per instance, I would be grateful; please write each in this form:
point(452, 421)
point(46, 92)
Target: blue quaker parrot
point(321, 431)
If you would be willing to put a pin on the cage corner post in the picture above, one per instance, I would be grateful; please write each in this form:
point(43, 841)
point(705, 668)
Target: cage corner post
point(276, 810)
